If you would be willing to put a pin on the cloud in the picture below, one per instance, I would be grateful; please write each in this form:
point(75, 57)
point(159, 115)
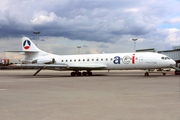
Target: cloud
point(173, 36)
point(43, 18)
point(175, 20)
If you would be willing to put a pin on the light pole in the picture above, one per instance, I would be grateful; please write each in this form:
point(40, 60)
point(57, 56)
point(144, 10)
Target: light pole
point(134, 39)
point(36, 36)
point(78, 48)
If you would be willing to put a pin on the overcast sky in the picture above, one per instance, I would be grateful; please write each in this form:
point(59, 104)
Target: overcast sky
point(97, 25)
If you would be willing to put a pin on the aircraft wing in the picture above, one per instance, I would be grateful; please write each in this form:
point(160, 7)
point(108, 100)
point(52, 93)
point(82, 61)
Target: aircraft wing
point(44, 65)
point(66, 66)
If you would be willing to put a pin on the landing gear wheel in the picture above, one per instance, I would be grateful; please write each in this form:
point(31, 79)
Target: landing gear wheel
point(73, 73)
point(89, 73)
point(164, 74)
point(84, 73)
point(146, 74)
point(78, 73)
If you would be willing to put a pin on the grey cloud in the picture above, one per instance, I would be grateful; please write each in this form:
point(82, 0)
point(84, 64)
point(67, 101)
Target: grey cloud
point(91, 20)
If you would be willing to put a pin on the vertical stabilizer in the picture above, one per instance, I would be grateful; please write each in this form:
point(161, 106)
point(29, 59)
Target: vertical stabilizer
point(30, 51)
point(28, 45)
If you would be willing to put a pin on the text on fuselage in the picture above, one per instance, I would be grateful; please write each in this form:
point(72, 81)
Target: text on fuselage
point(126, 59)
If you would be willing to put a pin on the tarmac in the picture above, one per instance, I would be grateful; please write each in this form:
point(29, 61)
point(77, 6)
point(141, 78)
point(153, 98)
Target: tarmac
point(114, 95)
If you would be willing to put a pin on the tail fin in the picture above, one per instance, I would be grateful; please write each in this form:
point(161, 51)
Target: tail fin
point(28, 45)
point(29, 51)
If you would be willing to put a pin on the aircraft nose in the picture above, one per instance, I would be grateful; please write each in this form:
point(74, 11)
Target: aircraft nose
point(173, 63)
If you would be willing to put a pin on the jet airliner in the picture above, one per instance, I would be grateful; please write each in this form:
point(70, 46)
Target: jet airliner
point(83, 64)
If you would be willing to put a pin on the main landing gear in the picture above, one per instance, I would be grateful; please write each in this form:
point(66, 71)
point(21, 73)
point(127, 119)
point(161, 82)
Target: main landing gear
point(146, 74)
point(77, 73)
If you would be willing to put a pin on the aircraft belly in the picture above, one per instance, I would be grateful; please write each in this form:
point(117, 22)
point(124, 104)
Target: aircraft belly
point(121, 66)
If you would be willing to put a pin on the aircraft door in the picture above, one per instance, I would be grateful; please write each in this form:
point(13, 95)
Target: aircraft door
point(141, 59)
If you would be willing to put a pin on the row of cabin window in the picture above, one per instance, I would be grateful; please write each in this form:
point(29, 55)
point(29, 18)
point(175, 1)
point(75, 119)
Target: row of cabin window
point(84, 60)
point(89, 60)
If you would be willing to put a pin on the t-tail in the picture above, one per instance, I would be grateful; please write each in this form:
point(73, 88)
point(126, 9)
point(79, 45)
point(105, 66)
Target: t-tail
point(30, 51)
point(28, 45)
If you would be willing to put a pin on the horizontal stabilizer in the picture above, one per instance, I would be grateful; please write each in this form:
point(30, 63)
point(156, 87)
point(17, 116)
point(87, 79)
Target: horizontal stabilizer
point(19, 51)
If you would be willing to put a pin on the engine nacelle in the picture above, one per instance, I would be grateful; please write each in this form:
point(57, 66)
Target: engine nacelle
point(23, 61)
point(44, 60)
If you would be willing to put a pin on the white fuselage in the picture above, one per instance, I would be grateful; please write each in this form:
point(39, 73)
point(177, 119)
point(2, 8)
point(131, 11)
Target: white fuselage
point(113, 61)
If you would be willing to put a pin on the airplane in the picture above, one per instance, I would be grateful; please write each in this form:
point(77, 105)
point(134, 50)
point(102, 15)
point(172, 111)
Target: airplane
point(83, 64)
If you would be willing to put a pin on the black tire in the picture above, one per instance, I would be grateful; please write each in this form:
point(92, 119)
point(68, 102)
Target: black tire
point(84, 73)
point(73, 74)
point(78, 73)
point(146, 74)
point(89, 73)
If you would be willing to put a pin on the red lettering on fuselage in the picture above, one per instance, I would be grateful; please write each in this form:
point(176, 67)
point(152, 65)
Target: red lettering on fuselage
point(133, 59)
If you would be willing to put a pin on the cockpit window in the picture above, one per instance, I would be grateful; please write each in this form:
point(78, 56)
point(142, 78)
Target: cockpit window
point(165, 58)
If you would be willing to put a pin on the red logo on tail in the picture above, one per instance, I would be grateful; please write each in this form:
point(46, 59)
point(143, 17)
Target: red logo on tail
point(26, 44)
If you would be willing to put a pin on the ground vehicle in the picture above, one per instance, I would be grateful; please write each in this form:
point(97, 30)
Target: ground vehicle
point(177, 72)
